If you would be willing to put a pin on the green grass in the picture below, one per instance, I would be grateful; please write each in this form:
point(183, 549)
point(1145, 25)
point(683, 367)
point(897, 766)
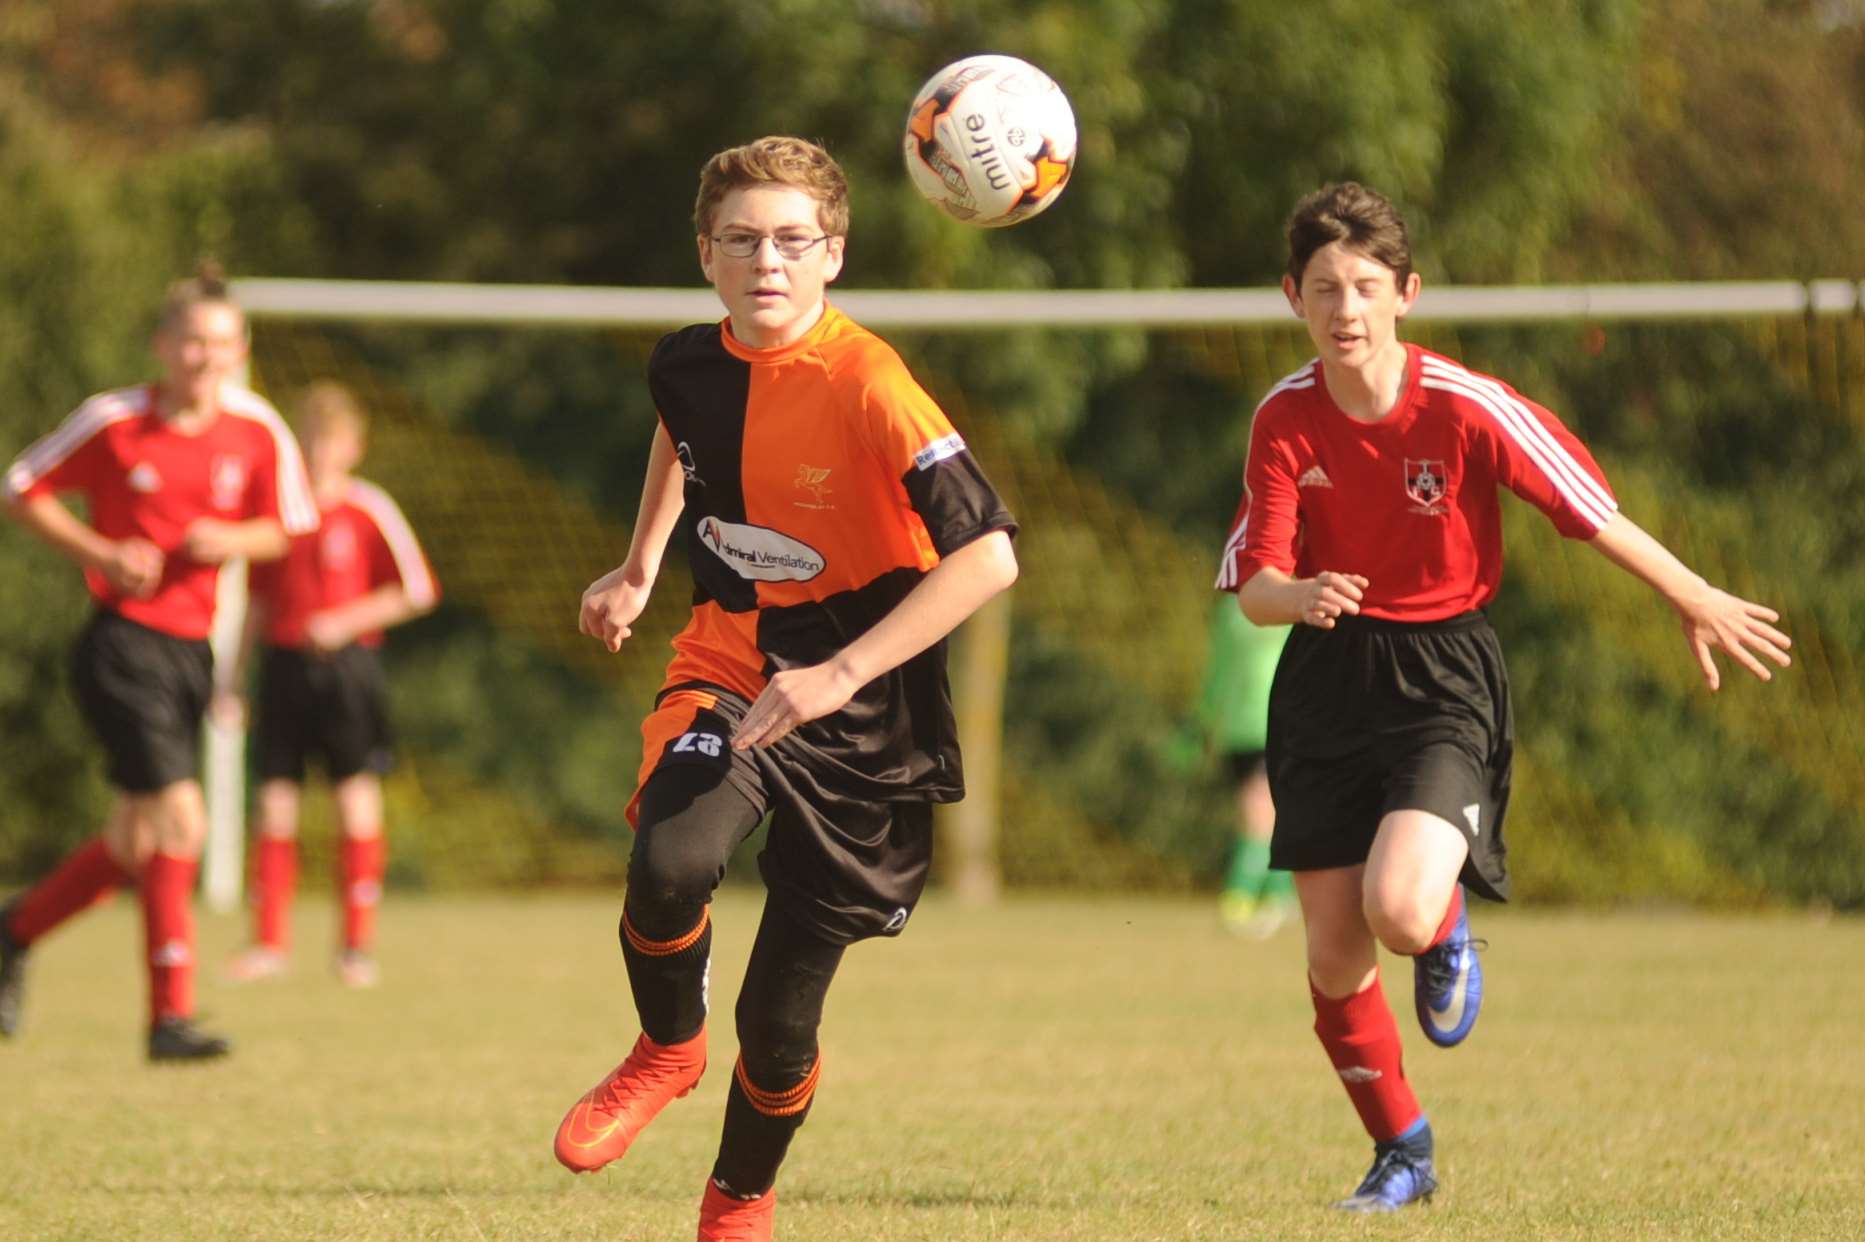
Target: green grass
point(1052, 1069)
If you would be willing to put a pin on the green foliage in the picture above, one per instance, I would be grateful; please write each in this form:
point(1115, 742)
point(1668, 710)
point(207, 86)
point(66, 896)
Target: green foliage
point(532, 142)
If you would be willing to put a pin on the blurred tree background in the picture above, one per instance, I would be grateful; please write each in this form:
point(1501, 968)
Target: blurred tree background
point(558, 142)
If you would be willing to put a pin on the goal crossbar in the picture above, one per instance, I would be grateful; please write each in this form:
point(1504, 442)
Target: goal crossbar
point(433, 302)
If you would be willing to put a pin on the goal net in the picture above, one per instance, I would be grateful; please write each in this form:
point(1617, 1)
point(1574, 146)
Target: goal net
point(512, 423)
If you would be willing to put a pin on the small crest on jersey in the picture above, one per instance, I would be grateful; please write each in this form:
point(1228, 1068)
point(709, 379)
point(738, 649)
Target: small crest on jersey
point(226, 477)
point(813, 480)
point(1425, 482)
point(337, 545)
point(1314, 476)
point(144, 479)
point(685, 453)
point(939, 450)
point(760, 553)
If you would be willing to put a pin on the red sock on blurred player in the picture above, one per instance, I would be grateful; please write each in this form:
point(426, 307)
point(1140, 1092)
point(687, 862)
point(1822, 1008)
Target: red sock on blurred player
point(363, 862)
point(87, 876)
point(168, 927)
point(275, 876)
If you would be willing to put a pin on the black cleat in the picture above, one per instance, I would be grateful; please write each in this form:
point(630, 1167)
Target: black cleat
point(12, 976)
point(177, 1039)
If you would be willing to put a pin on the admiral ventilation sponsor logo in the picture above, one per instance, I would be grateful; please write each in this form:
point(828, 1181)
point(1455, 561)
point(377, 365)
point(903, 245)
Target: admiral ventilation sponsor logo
point(760, 553)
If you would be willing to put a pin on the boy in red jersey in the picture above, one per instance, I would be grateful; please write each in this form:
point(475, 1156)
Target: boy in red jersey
point(1371, 520)
point(838, 529)
point(319, 613)
point(180, 477)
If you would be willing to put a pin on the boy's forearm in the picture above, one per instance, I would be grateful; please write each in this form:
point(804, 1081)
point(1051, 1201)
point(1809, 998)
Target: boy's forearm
point(957, 587)
point(1624, 543)
point(58, 527)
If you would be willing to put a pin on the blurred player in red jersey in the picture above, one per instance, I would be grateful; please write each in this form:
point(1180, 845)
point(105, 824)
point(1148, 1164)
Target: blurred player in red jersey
point(838, 529)
point(1371, 520)
point(319, 613)
point(180, 476)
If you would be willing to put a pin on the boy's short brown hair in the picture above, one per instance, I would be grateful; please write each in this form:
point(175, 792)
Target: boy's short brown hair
point(328, 404)
point(775, 160)
point(1365, 220)
point(207, 285)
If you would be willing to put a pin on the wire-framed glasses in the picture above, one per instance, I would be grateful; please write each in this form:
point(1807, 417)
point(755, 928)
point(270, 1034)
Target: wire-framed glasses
point(740, 245)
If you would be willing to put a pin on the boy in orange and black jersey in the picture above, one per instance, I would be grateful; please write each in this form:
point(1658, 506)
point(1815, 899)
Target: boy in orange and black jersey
point(838, 530)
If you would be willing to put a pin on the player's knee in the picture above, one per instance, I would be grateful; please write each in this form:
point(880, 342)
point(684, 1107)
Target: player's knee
point(669, 868)
point(1401, 921)
point(778, 1043)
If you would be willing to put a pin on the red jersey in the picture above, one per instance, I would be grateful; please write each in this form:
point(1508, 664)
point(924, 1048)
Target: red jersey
point(362, 543)
point(143, 479)
point(1411, 501)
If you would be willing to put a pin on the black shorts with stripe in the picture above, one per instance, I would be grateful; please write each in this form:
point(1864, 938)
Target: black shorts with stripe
point(332, 708)
point(143, 693)
point(1378, 716)
point(840, 858)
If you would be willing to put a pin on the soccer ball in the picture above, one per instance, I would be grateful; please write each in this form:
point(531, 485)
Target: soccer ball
point(990, 140)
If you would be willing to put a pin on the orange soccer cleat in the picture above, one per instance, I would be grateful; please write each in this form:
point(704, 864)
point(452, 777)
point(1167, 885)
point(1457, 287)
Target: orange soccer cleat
point(727, 1218)
point(600, 1126)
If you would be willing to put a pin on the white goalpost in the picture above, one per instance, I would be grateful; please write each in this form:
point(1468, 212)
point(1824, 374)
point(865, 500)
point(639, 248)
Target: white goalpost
point(543, 306)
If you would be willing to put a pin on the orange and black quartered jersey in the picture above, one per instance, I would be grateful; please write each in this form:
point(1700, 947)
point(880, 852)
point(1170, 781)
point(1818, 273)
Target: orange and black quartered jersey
point(822, 483)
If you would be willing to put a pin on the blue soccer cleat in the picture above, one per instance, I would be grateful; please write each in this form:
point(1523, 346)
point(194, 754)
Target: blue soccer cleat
point(1447, 984)
point(1401, 1174)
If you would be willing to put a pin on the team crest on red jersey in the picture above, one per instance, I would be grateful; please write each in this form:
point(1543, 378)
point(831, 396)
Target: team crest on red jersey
point(1425, 483)
point(227, 477)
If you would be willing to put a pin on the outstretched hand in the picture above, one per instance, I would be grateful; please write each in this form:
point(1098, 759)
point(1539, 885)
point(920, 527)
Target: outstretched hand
point(1742, 628)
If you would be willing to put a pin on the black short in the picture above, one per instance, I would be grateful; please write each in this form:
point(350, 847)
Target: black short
point(143, 693)
point(1379, 716)
point(847, 866)
point(332, 707)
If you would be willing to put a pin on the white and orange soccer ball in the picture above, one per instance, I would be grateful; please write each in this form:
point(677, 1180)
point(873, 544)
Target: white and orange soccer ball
point(990, 140)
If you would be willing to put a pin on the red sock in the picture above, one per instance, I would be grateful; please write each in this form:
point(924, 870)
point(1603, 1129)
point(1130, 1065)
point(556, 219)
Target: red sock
point(1450, 918)
point(1362, 1041)
point(168, 933)
point(87, 876)
point(275, 876)
point(363, 861)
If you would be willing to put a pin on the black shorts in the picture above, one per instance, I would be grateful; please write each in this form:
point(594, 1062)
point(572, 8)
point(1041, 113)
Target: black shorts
point(845, 864)
point(1379, 716)
point(143, 693)
point(332, 707)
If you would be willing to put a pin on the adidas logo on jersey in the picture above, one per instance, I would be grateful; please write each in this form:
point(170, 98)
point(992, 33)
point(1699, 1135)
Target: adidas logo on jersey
point(1314, 476)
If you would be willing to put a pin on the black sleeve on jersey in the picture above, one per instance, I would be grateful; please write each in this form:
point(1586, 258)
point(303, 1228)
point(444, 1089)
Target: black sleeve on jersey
point(957, 503)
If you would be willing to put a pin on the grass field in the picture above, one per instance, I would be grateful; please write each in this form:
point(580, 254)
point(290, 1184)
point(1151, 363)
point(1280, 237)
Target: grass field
point(1052, 1069)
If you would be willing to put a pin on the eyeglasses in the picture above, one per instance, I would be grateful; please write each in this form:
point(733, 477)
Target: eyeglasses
point(789, 245)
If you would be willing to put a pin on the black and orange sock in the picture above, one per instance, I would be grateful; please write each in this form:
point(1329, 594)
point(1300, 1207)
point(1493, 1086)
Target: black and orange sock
point(759, 1124)
point(1362, 1042)
point(669, 953)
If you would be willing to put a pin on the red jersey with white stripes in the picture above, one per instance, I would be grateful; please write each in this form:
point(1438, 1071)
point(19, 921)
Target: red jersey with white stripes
point(1411, 501)
point(143, 479)
point(362, 543)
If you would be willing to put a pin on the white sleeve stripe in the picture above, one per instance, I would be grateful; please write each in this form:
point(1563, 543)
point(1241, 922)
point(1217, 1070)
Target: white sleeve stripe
point(297, 508)
point(410, 564)
point(68, 437)
point(1227, 569)
point(1532, 425)
point(1558, 470)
